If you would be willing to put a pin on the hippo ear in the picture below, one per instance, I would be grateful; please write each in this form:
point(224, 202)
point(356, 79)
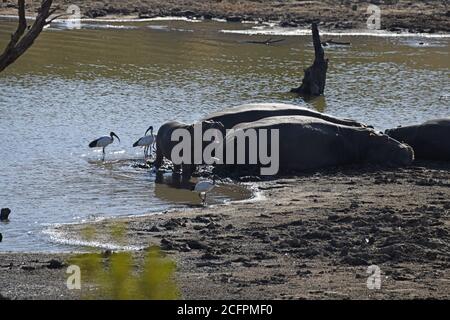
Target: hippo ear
point(220, 125)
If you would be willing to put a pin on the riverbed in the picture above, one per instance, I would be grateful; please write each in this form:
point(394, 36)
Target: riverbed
point(76, 85)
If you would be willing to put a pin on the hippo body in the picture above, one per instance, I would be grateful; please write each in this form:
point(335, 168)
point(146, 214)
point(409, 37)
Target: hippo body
point(307, 143)
point(430, 140)
point(254, 112)
point(165, 145)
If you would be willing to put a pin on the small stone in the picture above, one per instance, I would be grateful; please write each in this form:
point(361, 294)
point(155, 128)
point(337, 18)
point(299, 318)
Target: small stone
point(234, 19)
point(201, 219)
point(4, 214)
point(55, 264)
point(196, 245)
point(154, 229)
point(166, 244)
point(209, 256)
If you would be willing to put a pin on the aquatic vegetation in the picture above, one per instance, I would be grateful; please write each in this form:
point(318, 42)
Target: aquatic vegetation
point(126, 276)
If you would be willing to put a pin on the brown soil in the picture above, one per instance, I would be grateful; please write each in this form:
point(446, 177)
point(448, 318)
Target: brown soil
point(312, 236)
point(427, 16)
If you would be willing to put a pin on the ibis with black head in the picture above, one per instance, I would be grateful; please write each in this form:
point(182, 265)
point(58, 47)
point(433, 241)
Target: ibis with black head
point(103, 142)
point(147, 141)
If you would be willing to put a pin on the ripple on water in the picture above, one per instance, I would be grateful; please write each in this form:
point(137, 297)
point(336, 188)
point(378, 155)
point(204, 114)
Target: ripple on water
point(76, 85)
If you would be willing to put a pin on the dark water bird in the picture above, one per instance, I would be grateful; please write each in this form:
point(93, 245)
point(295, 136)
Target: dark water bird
point(339, 43)
point(4, 214)
point(1, 237)
point(146, 141)
point(203, 187)
point(103, 142)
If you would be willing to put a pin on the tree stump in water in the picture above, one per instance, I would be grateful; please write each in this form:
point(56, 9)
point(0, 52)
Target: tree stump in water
point(313, 83)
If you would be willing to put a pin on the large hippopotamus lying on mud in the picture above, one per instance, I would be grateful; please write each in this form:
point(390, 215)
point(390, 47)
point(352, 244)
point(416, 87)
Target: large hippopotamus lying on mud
point(164, 143)
point(430, 140)
point(307, 143)
point(254, 112)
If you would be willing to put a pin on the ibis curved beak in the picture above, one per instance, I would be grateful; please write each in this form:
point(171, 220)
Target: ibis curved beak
point(115, 135)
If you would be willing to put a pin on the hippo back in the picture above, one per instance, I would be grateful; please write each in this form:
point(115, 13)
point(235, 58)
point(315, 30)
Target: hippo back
point(429, 140)
point(307, 143)
point(311, 143)
point(254, 112)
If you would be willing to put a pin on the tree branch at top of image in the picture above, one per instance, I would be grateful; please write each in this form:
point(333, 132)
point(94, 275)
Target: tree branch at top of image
point(25, 35)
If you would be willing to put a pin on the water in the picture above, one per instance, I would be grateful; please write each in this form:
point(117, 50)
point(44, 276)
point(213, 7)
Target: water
point(76, 85)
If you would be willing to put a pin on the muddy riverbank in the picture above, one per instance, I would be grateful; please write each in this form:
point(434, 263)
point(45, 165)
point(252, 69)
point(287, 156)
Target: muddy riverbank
point(312, 236)
point(422, 17)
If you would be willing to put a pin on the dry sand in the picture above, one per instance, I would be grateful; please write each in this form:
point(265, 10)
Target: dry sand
point(311, 236)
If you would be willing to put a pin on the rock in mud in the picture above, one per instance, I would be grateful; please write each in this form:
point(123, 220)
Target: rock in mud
point(154, 229)
point(167, 244)
point(4, 214)
point(94, 13)
point(196, 245)
point(55, 264)
point(234, 19)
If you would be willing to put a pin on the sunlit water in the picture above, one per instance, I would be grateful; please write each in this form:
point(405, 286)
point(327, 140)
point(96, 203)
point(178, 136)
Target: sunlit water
point(76, 85)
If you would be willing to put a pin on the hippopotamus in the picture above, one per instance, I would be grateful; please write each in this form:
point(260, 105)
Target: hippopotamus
point(164, 143)
point(307, 143)
point(430, 140)
point(254, 112)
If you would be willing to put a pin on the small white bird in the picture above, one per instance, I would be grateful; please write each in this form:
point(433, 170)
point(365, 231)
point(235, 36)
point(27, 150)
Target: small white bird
point(146, 141)
point(203, 187)
point(103, 142)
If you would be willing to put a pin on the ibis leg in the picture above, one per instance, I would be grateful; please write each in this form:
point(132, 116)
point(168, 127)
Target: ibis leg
point(103, 152)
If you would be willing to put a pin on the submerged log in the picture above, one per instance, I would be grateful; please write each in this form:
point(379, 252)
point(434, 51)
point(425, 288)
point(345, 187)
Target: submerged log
point(266, 42)
point(313, 83)
point(339, 43)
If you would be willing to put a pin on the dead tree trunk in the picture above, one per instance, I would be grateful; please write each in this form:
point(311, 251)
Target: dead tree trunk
point(313, 83)
point(23, 38)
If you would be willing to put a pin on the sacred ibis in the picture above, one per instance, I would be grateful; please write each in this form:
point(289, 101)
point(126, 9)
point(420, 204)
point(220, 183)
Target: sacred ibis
point(146, 141)
point(203, 187)
point(103, 142)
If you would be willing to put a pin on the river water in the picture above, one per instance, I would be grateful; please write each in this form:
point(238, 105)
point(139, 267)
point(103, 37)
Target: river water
point(76, 85)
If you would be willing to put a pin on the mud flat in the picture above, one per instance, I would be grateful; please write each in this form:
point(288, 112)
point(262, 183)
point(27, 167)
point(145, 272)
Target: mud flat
point(310, 236)
point(402, 15)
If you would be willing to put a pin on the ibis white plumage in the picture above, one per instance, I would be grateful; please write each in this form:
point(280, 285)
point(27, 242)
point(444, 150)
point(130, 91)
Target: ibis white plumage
point(103, 142)
point(203, 187)
point(147, 141)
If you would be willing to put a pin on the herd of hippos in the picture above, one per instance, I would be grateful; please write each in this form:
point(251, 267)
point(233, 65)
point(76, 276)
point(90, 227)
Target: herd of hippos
point(310, 140)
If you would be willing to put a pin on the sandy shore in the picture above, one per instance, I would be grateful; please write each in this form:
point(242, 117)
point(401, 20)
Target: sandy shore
point(312, 236)
point(402, 15)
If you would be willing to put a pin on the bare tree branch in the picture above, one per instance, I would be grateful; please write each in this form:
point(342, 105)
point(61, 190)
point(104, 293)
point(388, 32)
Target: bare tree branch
point(21, 41)
point(57, 17)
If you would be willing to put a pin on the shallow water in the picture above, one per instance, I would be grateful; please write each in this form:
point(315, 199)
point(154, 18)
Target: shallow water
point(76, 85)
